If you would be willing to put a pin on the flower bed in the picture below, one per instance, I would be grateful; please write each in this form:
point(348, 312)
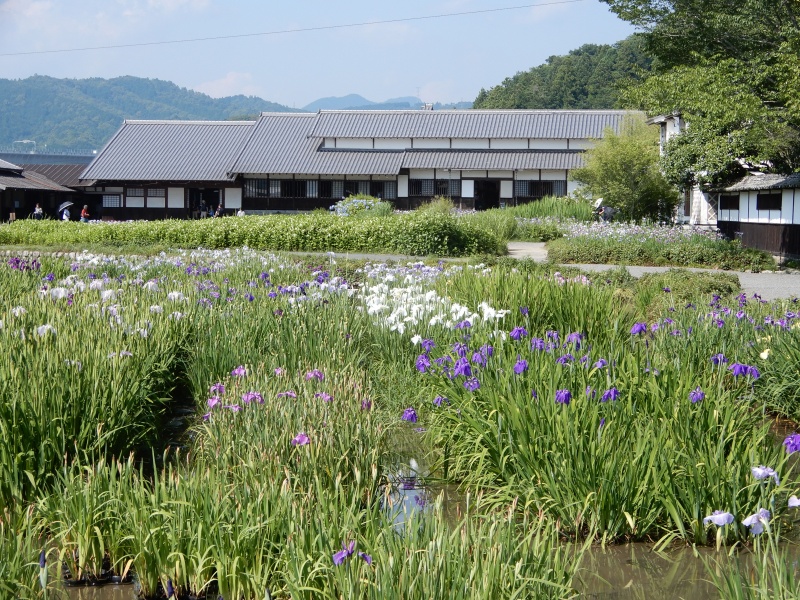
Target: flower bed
point(324, 395)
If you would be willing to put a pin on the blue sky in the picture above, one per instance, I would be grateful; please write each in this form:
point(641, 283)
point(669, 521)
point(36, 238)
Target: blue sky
point(447, 59)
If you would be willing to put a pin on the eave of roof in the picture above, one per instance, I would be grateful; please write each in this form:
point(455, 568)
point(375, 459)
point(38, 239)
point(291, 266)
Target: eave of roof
point(767, 181)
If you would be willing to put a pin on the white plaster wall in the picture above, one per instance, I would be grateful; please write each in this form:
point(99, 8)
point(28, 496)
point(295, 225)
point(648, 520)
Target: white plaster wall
point(358, 143)
point(402, 186)
point(174, 197)
point(471, 143)
point(467, 188)
point(431, 142)
point(572, 186)
point(506, 189)
point(233, 198)
point(501, 144)
point(474, 174)
point(501, 174)
point(306, 176)
point(421, 173)
point(392, 143)
point(548, 144)
point(729, 215)
point(445, 174)
point(281, 175)
point(795, 218)
point(528, 175)
point(134, 202)
point(702, 212)
point(156, 202)
point(581, 144)
point(329, 142)
point(554, 174)
point(357, 177)
point(383, 178)
point(331, 176)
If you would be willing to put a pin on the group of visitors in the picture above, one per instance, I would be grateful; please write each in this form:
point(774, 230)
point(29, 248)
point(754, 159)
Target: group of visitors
point(38, 213)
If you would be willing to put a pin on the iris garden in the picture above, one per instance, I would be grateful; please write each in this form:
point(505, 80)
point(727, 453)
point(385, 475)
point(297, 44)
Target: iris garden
point(238, 424)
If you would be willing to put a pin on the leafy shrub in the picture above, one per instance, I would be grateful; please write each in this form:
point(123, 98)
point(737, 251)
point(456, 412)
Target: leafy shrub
point(419, 233)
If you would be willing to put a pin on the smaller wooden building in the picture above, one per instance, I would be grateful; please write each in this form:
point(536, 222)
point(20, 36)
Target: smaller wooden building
point(763, 210)
point(21, 189)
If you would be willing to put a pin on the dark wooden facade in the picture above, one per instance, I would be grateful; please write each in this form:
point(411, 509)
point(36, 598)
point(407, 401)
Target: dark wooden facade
point(783, 240)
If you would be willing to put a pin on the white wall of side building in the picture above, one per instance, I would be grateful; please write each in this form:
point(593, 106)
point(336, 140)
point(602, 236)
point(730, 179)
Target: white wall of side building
point(748, 212)
point(175, 197)
point(508, 144)
point(471, 143)
point(548, 144)
point(506, 189)
point(434, 143)
point(554, 174)
point(421, 174)
point(467, 188)
point(402, 186)
point(233, 198)
point(392, 143)
point(703, 208)
point(354, 143)
point(581, 144)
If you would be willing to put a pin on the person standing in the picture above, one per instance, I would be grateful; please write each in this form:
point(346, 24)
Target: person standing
point(38, 213)
point(65, 216)
point(85, 214)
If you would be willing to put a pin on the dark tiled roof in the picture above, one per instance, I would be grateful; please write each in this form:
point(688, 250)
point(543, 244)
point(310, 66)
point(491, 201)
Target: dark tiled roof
point(503, 160)
point(170, 151)
point(7, 166)
point(765, 182)
point(30, 180)
point(469, 124)
point(66, 175)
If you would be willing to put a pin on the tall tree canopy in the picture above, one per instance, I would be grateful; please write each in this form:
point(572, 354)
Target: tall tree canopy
point(731, 68)
point(589, 77)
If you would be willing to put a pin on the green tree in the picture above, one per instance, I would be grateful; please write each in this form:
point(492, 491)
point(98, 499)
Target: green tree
point(623, 169)
point(732, 70)
point(589, 77)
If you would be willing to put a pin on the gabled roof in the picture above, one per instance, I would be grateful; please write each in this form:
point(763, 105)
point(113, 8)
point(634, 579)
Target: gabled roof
point(470, 124)
point(7, 166)
point(170, 151)
point(766, 181)
point(66, 175)
point(280, 143)
point(29, 180)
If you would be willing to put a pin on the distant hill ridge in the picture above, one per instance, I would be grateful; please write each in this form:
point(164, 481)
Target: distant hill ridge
point(84, 113)
point(358, 102)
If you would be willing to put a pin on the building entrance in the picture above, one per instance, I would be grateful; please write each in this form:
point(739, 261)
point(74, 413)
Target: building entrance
point(487, 194)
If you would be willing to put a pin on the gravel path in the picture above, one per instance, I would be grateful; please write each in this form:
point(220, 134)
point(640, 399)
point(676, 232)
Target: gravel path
point(770, 285)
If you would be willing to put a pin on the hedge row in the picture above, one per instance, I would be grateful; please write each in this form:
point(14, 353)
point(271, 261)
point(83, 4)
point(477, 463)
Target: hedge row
point(695, 252)
point(416, 234)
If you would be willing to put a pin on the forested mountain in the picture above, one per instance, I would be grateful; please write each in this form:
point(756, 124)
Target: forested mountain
point(589, 77)
point(84, 113)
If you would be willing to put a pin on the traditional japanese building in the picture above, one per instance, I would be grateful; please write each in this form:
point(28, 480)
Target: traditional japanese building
point(302, 161)
point(22, 188)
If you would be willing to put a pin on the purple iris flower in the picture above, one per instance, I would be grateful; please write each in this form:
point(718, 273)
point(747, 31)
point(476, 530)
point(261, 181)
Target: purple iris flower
point(42, 559)
point(324, 396)
point(756, 521)
point(472, 384)
point(537, 344)
point(443, 360)
point(697, 395)
point(301, 439)
point(566, 359)
point(739, 369)
point(792, 443)
point(427, 345)
point(552, 335)
point(410, 415)
point(233, 407)
point(590, 392)
point(600, 363)
point(346, 551)
point(465, 324)
point(249, 397)
point(602, 422)
point(462, 368)
point(479, 359)
point(366, 557)
point(761, 473)
point(523, 310)
point(563, 396)
point(486, 350)
point(423, 363)
point(217, 389)
point(534, 395)
point(518, 333)
point(638, 328)
point(719, 359)
point(611, 394)
point(287, 394)
point(520, 366)
point(719, 518)
point(239, 371)
point(315, 374)
point(280, 371)
point(439, 400)
point(170, 590)
point(366, 404)
point(213, 401)
point(574, 338)
point(460, 349)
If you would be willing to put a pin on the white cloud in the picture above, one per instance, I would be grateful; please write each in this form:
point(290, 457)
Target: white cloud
point(231, 84)
point(25, 8)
